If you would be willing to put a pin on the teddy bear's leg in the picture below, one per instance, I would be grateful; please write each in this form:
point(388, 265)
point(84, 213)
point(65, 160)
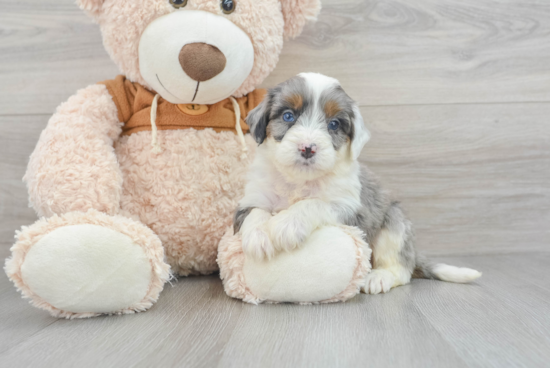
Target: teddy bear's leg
point(83, 264)
point(330, 266)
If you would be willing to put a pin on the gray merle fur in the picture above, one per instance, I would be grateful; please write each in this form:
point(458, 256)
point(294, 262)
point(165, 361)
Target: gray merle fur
point(240, 215)
point(271, 109)
point(378, 212)
point(345, 116)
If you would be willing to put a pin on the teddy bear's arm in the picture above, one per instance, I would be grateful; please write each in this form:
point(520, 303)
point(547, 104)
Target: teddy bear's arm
point(74, 167)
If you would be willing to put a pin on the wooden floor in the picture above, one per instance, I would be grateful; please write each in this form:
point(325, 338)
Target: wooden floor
point(457, 96)
point(501, 321)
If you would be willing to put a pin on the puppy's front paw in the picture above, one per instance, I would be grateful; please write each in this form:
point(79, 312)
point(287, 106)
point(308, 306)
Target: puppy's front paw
point(378, 281)
point(287, 231)
point(256, 244)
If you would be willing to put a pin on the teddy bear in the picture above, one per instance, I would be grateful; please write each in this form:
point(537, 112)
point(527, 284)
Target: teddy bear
point(135, 179)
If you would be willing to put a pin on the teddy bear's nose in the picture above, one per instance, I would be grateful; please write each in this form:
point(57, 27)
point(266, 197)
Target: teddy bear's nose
point(201, 61)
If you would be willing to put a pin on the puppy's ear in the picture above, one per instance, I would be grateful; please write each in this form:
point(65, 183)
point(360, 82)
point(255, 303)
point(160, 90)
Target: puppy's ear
point(297, 13)
point(360, 134)
point(258, 119)
point(92, 7)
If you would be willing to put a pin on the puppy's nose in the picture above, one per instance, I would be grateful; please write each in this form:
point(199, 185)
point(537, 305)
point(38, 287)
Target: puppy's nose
point(308, 150)
point(201, 61)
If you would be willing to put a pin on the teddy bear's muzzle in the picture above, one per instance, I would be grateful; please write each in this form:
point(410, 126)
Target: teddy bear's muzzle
point(195, 56)
point(201, 61)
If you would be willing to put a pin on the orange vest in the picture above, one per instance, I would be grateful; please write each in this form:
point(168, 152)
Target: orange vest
point(134, 102)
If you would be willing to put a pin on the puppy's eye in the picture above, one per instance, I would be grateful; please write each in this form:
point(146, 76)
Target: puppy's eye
point(228, 6)
point(288, 117)
point(178, 3)
point(333, 125)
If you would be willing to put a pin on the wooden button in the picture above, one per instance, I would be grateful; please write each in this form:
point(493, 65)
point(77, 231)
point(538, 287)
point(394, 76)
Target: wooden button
point(193, 109)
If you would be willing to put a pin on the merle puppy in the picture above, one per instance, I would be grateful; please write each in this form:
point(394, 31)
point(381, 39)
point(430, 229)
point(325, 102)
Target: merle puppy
point(306, 175)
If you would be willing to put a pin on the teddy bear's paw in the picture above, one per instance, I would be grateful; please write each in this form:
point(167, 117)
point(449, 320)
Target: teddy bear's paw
point(75, 269)
point(256, 244)
point(288, 231)
point(378, 281)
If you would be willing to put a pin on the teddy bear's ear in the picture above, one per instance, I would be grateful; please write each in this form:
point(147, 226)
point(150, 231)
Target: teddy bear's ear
point(297, 13)
point(92, 7)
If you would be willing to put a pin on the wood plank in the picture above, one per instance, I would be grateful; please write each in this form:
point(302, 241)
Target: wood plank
point(48, 51)
point(18, 319)
point(18, 137)
point(473, 178)
point(196, 325)
point(498, 321)
point(5, 284)
point(525, 268)
point(518, 282)
point(374, 331)
point(428, 51)
point(188, 326)
point(386, 53)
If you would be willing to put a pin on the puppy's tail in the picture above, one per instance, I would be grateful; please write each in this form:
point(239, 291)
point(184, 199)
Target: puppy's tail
point(427, 270)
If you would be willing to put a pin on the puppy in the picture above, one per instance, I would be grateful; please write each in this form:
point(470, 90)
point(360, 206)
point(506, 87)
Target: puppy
point(306, 175)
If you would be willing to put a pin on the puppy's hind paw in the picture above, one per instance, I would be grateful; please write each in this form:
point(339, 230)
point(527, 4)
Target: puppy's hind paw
point(256, 244)
point(378, 281)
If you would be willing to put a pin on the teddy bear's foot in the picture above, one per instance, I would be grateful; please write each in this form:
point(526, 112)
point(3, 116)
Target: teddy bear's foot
point(86, 264)
point(329, 267)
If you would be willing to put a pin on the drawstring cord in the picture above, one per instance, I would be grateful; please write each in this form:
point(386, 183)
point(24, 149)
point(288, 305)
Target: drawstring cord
point(240, 133)
point(154, 136)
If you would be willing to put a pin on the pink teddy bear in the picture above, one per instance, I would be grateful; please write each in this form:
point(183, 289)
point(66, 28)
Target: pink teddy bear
point(141, 174)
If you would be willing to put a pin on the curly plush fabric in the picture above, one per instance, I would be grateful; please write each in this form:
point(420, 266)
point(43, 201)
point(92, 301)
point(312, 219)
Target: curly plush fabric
point(141, 235)
point(231, 260)
point(187, 193)
point(266, 22)
point(297, 13)
point(74, 167)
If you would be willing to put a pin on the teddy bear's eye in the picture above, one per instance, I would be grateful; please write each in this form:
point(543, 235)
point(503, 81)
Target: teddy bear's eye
point(178, 3)
point(228, 6)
